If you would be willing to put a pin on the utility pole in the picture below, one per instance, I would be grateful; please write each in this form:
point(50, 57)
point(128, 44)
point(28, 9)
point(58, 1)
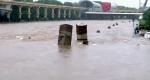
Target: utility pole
point(139, 4)
point(145, 3)
point(144, 6)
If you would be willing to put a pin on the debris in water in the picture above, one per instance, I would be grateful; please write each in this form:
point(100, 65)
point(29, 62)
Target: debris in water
point(79, 43)
point(109, 27)
point(116, 23)
point(20, 37)
point(29, 37)
point(125, 40)
point(138, 44)
point(94, 44)
point(113, 25)
point(98, 31)
point(85, 42)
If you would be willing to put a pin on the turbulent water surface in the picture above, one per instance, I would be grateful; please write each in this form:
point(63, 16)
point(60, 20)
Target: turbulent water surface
point(29, 51)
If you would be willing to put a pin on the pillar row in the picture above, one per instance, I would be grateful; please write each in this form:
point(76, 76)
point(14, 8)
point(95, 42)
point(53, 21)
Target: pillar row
point(64, 13)
point(79, 14)
point(69, 14)
point(74, 12)
point(53, 13)
point(59, 13)
point(29, 12)
point(37, 12)
point(45, 13)
point(20, 12)
point(8, 15)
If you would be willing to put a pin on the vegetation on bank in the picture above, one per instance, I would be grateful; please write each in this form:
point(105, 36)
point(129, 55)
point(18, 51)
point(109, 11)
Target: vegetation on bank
point(145, 22)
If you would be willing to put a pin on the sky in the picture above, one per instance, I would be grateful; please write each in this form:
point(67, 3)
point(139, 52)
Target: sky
point(128, 3)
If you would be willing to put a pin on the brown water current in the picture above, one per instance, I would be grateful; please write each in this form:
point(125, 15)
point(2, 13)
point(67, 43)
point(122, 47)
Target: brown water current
point(29, 51)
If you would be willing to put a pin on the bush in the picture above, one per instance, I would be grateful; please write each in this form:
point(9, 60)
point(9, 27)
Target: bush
point(146, 20)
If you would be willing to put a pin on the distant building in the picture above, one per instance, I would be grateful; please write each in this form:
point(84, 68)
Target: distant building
point(98, 6)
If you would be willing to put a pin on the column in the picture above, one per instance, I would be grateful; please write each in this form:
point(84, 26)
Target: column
point(20, 12)
point(29, 13)
point(69, 13)
point(74, 12)
point(45, 13)
point(64, 13)
point(8, 15)
point(59, 15)
point(79, 14)
point(53, 13)
point(38, 12)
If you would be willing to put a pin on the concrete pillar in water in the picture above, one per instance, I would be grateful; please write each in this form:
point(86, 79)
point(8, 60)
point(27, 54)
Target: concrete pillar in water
point(59, 13)
point(45, 13)
point(53, 13)
point(81, 30)
point(64, 13)
point(20, 12)
point(29, 13)
point(69, 14)
point(8, 15)
point(79, 14)
point(38, 12)
point(65, 35)
point(74, 12)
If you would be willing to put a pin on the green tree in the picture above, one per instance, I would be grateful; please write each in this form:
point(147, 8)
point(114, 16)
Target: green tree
point(55, 2)
point(146, 19)
point(24, 0)
point(76, 4)
point(68, 4)
point(72, 4)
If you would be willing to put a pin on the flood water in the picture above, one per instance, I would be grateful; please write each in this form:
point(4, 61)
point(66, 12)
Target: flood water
point(29, 51)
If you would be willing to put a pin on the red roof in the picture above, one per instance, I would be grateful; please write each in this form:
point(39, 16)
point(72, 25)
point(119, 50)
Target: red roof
point(106, 6)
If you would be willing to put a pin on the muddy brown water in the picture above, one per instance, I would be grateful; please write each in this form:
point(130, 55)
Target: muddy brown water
point(29, 51)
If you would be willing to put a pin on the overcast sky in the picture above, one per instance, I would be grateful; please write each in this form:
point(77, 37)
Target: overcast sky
point(129, 3)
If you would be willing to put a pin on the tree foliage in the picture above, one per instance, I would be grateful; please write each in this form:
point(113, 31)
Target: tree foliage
point(68, 4)
point(24, 0)
point(146, 20)
point(146, 17)
point(71, 4)
point(55, 2)
point(76, 4)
